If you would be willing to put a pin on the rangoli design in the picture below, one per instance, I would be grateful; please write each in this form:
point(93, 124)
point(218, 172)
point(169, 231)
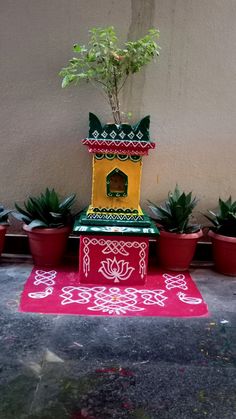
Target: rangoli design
point(45, 278)
point(60, 293)
point(188, 300)
point(115, 247)
point(112, 300)
point(115, 270)
point(177, 281)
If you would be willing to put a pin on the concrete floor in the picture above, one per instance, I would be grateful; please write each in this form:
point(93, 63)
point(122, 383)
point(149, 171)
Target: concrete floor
point(97, 367)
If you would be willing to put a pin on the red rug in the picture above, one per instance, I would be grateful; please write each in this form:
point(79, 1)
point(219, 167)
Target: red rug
point(165, 293)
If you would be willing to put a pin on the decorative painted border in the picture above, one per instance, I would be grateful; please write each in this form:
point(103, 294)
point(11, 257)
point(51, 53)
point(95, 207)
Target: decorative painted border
point(120, 217)
point(121, 157)
point(99, 146)
point(114, 210)
point(132, 135)
point(115, 247)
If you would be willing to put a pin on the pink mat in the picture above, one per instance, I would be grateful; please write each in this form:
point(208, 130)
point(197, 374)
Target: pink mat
point(165, 293)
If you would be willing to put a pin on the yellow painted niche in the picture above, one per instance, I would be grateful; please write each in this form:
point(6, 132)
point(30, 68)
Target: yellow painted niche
point(101, 168)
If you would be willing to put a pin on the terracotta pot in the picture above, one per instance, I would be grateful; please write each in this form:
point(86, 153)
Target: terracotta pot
point(175, 251)
point(224, 253)
point(47, 245)
point(3, 230)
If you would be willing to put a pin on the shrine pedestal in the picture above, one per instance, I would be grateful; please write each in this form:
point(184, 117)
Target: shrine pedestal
point(113, 255)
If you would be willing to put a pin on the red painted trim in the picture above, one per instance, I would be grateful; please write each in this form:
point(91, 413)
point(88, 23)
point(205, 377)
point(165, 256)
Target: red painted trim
point(121, 147)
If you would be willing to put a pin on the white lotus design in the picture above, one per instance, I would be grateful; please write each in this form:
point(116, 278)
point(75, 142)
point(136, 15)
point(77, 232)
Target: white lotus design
point(115, 270)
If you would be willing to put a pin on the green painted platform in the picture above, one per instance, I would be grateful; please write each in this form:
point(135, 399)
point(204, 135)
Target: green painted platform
point(114, 230)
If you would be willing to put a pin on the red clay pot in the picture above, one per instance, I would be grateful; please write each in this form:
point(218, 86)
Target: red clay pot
point(3, 230)
point(224, 253)
point(175, 251)
point(47, 245)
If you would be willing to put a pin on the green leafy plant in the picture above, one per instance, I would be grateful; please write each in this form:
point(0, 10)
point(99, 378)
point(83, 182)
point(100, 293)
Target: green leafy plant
point(175, 214)
point(224, 220)
point(4, 213)
point(106, 65)
point(46, 210)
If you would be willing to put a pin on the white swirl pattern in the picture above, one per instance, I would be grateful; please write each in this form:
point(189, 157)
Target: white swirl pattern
point(112, 300)
point(45, 278)
point(177, 281)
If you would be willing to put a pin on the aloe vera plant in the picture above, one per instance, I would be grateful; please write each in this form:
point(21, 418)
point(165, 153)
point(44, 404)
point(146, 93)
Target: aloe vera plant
point(224, 220)
point(4, 213)
point(46, 210)
point(176, 212)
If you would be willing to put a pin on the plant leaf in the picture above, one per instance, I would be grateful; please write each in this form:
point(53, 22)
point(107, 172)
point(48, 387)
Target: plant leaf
point(37, 224)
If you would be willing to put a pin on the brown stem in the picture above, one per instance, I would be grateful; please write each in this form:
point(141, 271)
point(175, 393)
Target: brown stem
point(113, 108)
point(122, 85)
point(116, 98)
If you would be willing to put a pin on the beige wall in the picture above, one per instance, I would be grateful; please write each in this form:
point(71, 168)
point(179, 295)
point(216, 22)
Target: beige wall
point(190, 94)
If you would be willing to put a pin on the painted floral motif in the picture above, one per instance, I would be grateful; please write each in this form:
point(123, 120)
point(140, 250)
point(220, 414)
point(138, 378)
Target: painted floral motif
point(116, 270)
point(115, 247)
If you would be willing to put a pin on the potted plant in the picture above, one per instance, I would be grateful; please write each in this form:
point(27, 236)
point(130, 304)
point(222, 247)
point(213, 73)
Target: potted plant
point(47, 222)
point(178, 235)
point(223, 236)
point(107, 66)
point(4, 213)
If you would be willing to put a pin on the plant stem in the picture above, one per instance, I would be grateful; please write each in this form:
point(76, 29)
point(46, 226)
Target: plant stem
point(116, 99)
point(115, 111)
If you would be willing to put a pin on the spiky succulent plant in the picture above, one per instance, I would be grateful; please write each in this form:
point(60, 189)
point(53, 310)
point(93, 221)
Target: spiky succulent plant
point(176, 212)
point(46, 210)
point(4, 213)
point(224, 219)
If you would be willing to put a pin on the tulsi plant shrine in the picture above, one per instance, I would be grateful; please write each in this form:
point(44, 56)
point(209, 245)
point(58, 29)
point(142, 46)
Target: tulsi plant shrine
point(114, 231)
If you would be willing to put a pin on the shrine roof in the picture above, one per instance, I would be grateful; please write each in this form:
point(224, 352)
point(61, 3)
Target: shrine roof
point(122, 139)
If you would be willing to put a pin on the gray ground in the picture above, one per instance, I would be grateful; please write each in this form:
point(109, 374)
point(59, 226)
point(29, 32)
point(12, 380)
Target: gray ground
point(97, 367)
